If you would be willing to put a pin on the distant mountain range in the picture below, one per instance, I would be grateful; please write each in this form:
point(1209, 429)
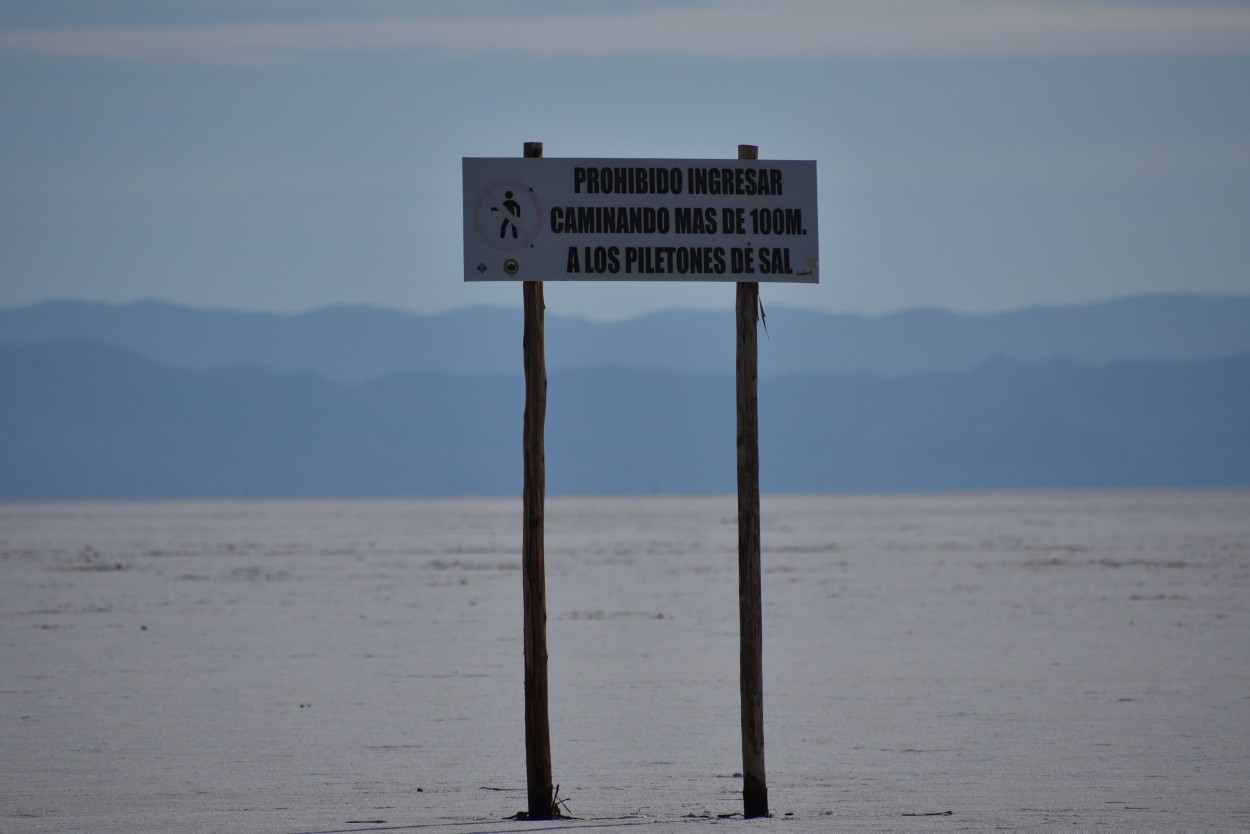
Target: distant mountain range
point(153, 401)
point(355, 344)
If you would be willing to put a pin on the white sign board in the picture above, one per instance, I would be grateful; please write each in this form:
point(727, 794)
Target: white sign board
point(640, 220)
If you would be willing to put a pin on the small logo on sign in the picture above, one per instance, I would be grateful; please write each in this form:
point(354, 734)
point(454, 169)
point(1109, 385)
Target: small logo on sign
point(482, 268)
point(511, 267)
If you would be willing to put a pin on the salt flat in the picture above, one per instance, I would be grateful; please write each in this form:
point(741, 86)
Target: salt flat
point(943, 662)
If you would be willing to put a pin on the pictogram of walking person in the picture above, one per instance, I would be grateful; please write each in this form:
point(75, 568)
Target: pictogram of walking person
point(512, 215)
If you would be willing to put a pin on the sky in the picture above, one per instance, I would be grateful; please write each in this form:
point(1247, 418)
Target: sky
point(286, 155)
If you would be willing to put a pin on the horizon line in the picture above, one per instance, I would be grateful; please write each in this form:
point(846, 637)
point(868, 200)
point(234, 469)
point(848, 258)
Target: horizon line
point(726, 309)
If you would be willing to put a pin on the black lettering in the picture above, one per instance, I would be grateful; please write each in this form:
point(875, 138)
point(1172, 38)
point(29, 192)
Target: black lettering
point(693, 221)
point(777, 221)
point(598, 259)
point(667, 180)
point(698, 180)
point(610, 220)
point(634, 226)
point(742, 260)
point(646, 260)
point(793, 222)
point(775, 261)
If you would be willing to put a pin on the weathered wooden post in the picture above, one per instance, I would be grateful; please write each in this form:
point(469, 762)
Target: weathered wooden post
point(537, 724)
point(750, 604)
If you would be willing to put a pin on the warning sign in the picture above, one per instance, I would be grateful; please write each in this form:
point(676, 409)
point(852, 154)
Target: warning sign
point(640, 220)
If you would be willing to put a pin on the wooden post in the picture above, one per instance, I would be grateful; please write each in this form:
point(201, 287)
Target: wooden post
point(750, 617)
point(537, 724)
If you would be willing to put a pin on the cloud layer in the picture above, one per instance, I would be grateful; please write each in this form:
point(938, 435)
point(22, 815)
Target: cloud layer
point(783, 30)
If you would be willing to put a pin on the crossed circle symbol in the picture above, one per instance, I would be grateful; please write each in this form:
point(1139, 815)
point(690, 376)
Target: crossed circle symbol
point(489, 212)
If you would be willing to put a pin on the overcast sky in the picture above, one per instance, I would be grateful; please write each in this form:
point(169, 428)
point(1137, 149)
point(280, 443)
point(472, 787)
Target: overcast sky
point(975, 155)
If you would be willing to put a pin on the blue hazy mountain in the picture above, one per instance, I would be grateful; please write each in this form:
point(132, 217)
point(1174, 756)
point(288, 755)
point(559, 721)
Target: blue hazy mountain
point(354, 344)
point(87, 419)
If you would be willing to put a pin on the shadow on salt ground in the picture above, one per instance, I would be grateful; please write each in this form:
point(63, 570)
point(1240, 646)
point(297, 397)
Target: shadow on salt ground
point(511, 826)
point(787, 821)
